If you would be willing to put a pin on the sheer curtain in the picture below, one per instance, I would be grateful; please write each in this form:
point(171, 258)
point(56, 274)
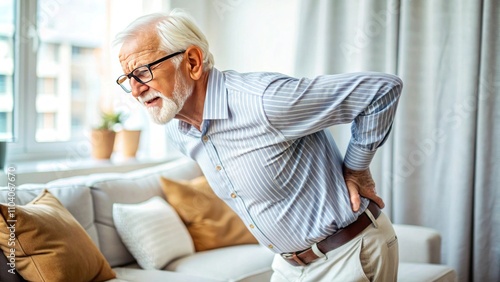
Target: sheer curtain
point(440, 167)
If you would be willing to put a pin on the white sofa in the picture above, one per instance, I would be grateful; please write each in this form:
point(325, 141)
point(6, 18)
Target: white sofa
point(90, 200)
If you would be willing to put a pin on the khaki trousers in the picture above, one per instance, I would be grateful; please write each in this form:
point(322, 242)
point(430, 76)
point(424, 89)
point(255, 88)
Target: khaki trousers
point(370, 256)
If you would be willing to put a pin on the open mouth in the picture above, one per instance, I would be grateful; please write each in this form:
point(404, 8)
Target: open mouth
point(152, 101)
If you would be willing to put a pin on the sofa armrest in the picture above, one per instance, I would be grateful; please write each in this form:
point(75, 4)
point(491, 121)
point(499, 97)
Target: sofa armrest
point(418, 244)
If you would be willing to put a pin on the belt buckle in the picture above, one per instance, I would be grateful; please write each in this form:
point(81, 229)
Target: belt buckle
point(293, 257)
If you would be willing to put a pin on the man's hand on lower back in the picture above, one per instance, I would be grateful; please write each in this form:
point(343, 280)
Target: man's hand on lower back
point(360, 183)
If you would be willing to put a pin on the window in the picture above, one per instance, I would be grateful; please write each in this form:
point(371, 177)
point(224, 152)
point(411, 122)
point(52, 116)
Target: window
point(68, 63)
point(6, 69)
point(57, 73)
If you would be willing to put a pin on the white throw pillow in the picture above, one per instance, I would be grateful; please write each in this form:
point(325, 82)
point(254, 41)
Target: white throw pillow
point(152, 232)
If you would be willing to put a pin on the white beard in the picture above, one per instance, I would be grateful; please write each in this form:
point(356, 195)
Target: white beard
point(170, 107)
point(165, 113)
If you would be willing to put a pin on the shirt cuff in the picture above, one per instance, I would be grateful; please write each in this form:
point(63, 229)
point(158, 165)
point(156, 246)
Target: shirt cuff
point(357, 158)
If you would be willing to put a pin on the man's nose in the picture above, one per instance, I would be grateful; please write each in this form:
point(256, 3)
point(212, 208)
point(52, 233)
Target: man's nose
point(137, 87)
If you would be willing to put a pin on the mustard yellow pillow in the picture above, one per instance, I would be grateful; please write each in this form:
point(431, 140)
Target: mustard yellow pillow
point(50, 245)
point(211, 223)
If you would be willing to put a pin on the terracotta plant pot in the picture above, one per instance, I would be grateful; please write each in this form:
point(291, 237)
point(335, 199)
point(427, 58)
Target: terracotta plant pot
point(102, 143)
point(127, 142)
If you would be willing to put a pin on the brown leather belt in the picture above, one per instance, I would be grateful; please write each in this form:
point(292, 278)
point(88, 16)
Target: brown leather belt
point(339, 238)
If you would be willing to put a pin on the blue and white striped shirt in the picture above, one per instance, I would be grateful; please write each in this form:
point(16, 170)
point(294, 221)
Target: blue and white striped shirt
point(265, 149)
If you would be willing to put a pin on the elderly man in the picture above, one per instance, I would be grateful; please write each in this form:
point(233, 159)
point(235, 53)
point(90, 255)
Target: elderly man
point(262, 142)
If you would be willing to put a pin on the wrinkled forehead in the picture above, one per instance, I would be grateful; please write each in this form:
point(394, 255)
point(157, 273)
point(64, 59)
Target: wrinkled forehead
point(139, 50)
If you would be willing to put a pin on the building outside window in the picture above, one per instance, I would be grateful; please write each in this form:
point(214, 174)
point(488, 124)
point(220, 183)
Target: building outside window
point(68, 61)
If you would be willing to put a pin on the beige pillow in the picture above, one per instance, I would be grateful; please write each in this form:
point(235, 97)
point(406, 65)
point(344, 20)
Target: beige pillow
point(211, 223)
point(50, 245)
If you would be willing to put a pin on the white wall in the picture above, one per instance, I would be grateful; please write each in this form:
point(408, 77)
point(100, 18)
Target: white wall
point(248, 36)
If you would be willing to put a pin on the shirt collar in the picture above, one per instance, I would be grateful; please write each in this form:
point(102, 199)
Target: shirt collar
point(216, 98)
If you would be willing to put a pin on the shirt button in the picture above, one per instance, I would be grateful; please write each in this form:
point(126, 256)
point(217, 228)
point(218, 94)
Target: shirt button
point(270, 246)
point(218, 168)
point(233, 195)
point(205, 138)
point(252, 226)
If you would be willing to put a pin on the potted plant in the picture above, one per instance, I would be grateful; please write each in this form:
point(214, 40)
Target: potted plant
point(103, 136)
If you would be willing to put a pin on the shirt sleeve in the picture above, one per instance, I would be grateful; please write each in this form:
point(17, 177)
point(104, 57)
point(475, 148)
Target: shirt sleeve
point(299, 107)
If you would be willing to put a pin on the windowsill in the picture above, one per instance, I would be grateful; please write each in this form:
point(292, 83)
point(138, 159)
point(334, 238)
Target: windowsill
point(82, 164)
point(48, 170)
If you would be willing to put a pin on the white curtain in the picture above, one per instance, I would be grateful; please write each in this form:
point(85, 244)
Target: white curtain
point(441, 166)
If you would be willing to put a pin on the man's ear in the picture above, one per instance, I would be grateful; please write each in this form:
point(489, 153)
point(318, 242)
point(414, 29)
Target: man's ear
point(195, 62)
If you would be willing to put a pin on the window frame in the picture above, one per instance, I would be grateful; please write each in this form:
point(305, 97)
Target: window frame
point(25, 147)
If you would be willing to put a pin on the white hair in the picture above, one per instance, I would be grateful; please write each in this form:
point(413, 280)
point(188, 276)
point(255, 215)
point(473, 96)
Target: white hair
point(176, 32)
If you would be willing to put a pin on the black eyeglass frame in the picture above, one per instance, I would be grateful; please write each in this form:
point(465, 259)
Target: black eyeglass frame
point(131, 74)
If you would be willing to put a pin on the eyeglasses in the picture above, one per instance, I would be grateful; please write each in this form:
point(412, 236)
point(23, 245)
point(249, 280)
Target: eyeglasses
point(142, 74)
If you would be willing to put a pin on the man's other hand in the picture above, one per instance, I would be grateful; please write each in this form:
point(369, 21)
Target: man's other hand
point(360, 182)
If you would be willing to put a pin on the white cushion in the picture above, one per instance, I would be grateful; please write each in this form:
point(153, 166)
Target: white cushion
point(152, 232)
point(240, 263)
point(141, 275)
point(423, 272)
